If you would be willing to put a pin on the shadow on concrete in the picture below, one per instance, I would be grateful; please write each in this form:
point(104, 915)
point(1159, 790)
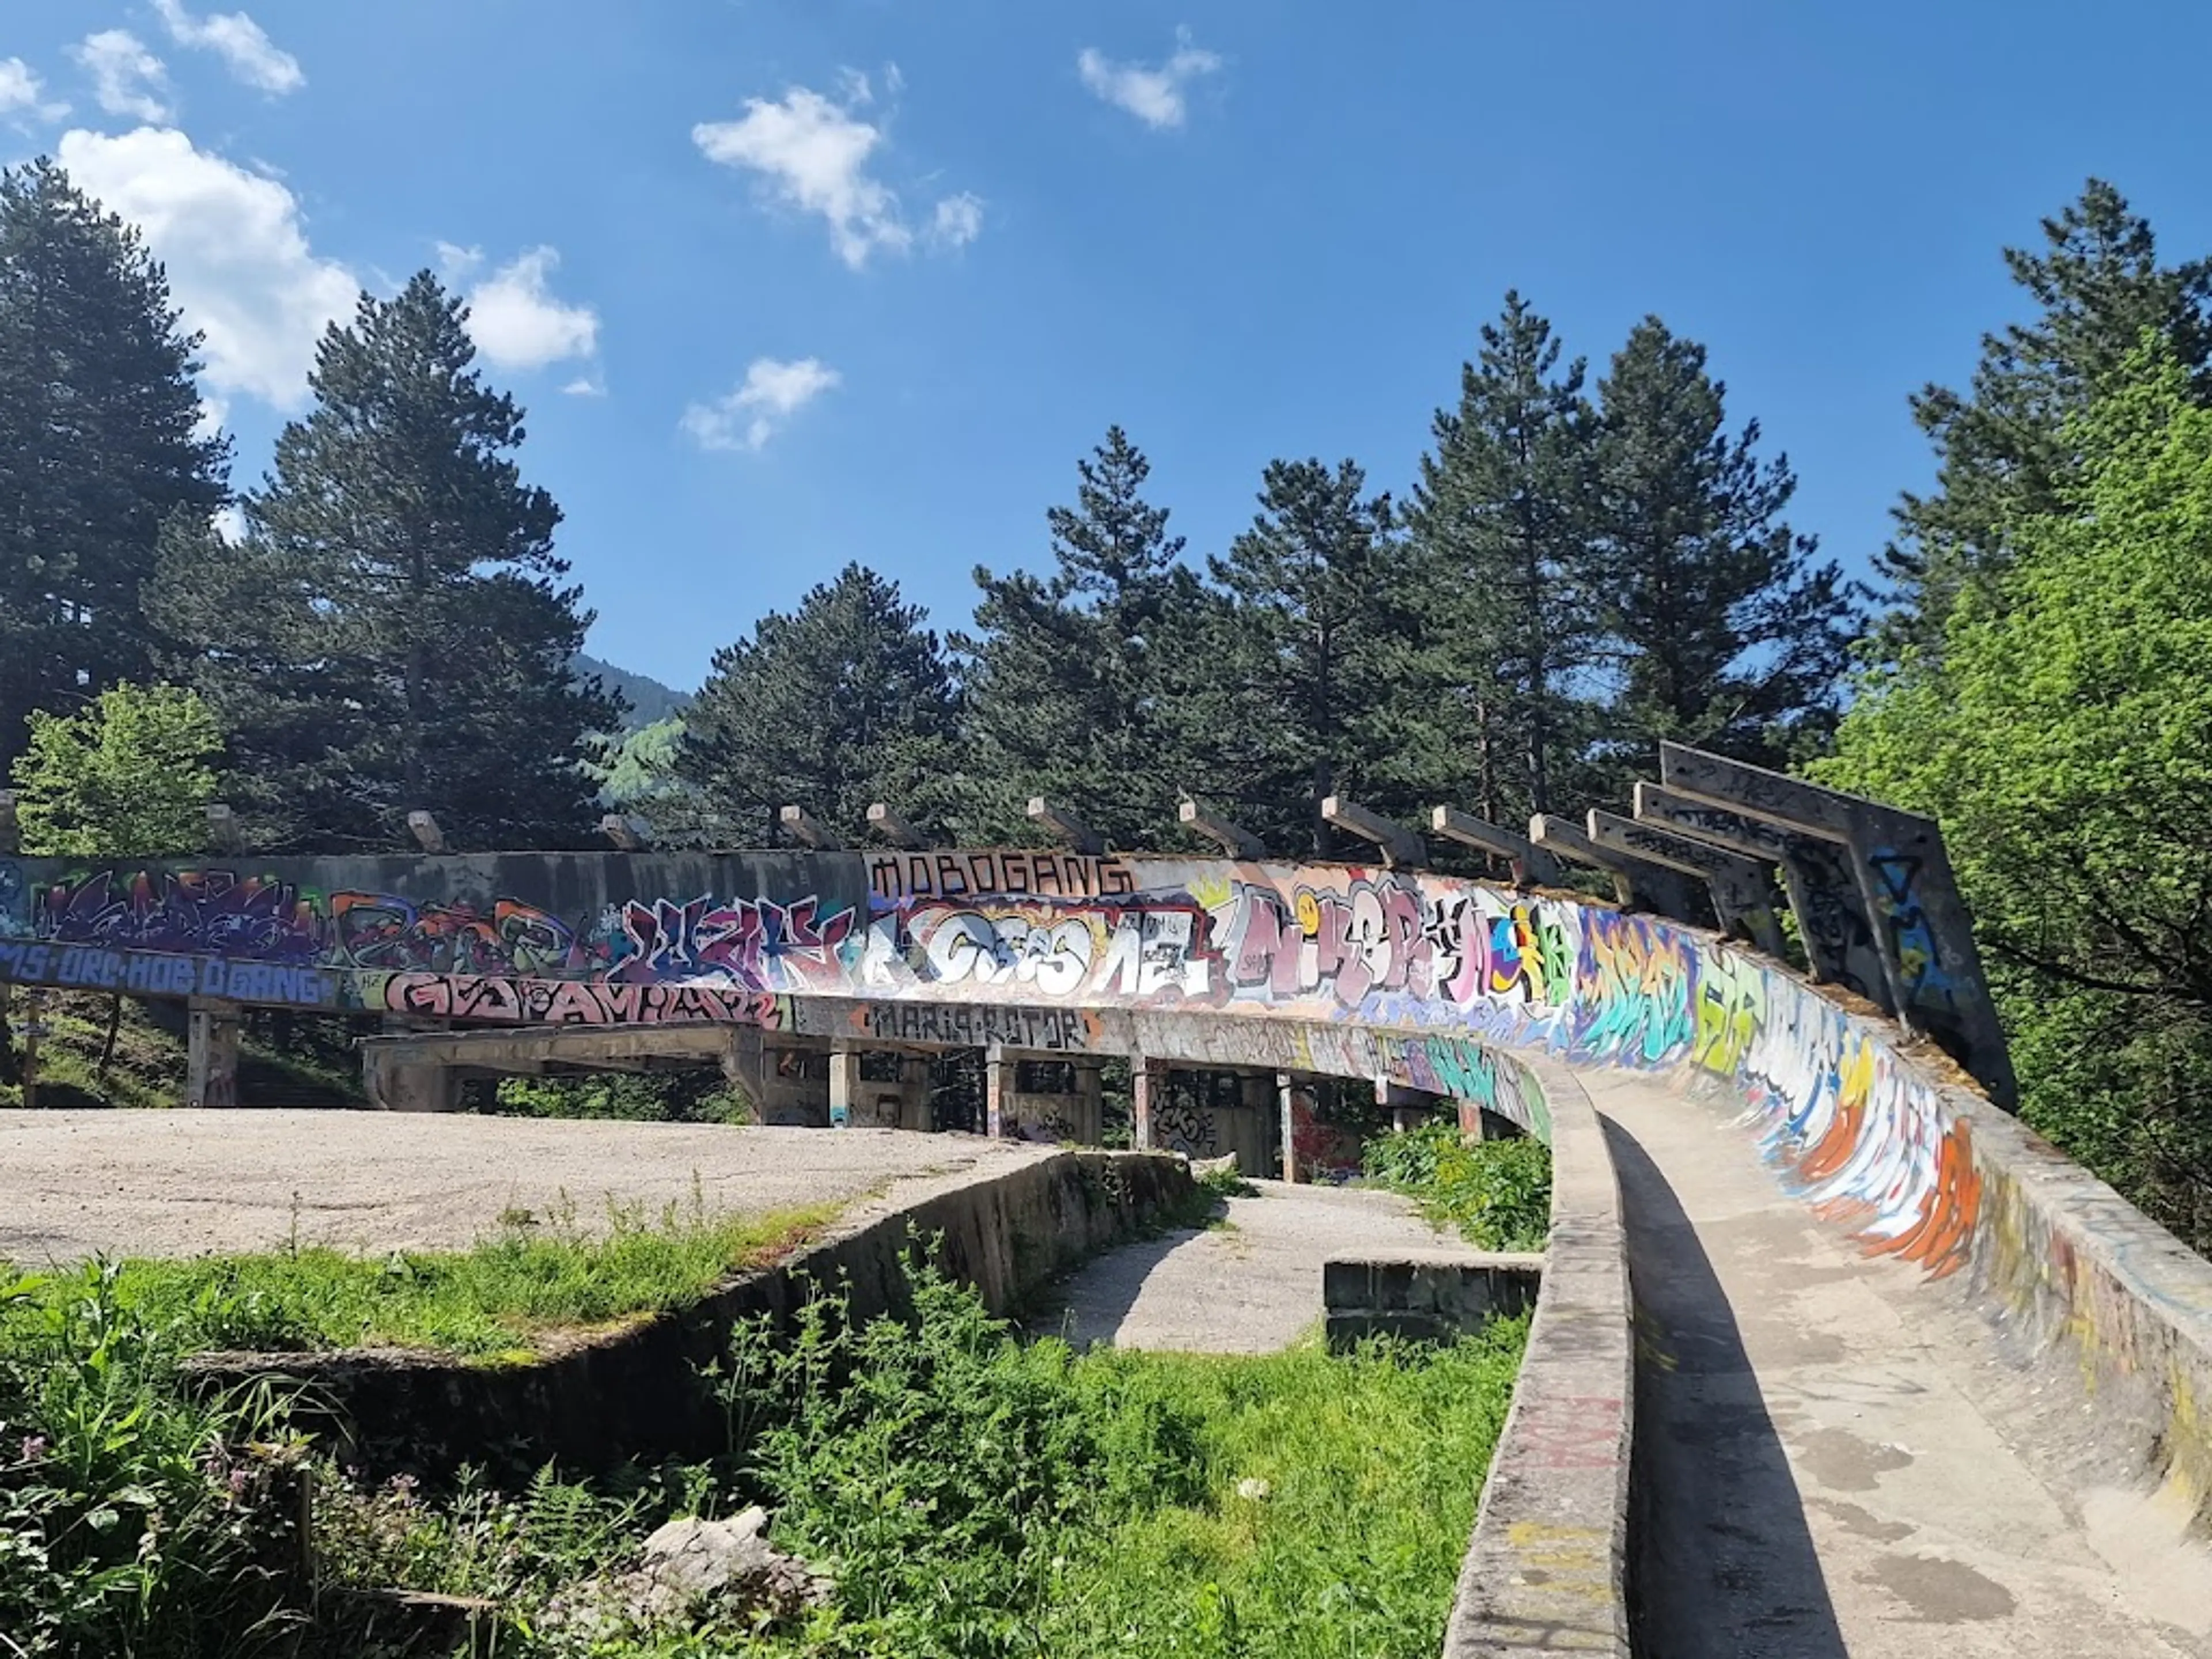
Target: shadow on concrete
point(1087, 1307)
point(1722, 1564)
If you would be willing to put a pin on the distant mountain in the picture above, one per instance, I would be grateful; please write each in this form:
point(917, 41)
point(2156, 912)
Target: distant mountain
point(650, 701)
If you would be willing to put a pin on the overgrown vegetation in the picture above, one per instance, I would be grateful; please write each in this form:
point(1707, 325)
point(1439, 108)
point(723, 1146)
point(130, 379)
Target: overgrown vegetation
point(969, 1495)
point(536, 1278)
point(1497, 1193)
point(697, 1095)
point(974, 1496)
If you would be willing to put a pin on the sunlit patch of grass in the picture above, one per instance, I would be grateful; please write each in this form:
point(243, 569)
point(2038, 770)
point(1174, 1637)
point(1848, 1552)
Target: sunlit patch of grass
point(514, 1292)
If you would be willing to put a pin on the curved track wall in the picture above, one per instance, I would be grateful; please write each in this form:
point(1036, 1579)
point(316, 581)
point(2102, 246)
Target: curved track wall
point(1423, 979)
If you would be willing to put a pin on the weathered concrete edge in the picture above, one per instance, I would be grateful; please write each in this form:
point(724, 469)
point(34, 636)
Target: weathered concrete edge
point(632, 1391)
point(2066, 1266)
point(1547, 1569)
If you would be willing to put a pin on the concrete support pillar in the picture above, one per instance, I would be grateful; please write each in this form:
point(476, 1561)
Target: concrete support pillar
point(1145, 1076)
point(1285, 1105)
point(997, 1085)
point(1471, 1129)
point(914, 1093)
point(1090, 1104)
point(211, 1052)
point(1403, 1113)
point(844, 1084)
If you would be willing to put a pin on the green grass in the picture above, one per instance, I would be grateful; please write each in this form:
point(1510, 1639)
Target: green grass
point(146, 1070)
point(1497, 1193)
point(502, 1300)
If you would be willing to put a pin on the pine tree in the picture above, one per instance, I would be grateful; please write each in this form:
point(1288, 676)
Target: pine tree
point(1321, 628)
point(393, 634)
point(846, 701)
point(1498, 519)
point(2003, 450)
point(98, 446)
point(1721, 629)
point(1073, 678)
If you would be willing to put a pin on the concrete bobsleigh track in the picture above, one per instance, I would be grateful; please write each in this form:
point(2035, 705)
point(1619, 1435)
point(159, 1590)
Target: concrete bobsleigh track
point(1919, 1384)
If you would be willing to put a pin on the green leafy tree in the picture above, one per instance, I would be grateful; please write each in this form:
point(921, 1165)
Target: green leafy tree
point(129, 776)
point(100, 445)
point(846, 701)
point(1721, 628)
point(2063, 736)
point(2003, 447)
point(1316, 647)
point(392, 633)
point(1077, 681)
point(641, 772)
point(1498, 521)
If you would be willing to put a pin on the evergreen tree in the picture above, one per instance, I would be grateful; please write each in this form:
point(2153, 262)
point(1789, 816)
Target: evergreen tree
point(1320, 637)
point(98, 446)
point(1497, 519)
point(1720, 629)
point(1075, 678)
point(2002, 448)
point(393, 634)
point(846, 701)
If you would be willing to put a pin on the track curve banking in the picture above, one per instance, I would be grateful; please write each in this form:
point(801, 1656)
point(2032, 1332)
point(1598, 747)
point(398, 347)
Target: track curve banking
point(2019, 1308)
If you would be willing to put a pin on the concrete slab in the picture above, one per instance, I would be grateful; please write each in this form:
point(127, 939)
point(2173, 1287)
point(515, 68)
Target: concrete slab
point(74, 1184)
point(1252, 1286)
point(1835, 1459)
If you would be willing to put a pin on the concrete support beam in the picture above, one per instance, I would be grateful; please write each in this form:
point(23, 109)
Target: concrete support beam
point(1533, 866)
point(1832, 924)
point(1742, 891)
point(223, 835)
point(211, 1052)
point(629, 833)
point(1902, 871)
point(1236, 842)
point(1079, 836)
point(1401, 848)
point(802, 826)
point(895, 830)
point(1285, 1106)
point(1146, 1078)
point(1638, 883)
point(11, 837)
point(425, 827)
point(844, 1084)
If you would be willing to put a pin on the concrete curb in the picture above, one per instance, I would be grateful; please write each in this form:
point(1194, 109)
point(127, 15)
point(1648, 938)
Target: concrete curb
point(632, 1391)
point(1546, 1571)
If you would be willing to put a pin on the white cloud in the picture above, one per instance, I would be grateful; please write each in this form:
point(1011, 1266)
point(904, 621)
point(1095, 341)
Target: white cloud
point(125, 77)
point(238, 257)
point(230, 523)
point(252, 57)
point(815, 154)
point(1153, 95)
point(22, 92)
point(958, 220)
point(516, 320)
point(750, 417)
point(585, 385)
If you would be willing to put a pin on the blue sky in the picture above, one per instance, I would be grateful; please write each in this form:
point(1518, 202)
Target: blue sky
point(788, 282)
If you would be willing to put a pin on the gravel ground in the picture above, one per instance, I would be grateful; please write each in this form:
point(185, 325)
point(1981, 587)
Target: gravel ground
point(1251, 1287)
point(75, 1184)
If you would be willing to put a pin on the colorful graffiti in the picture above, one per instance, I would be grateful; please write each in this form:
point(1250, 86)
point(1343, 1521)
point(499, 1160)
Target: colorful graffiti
point(1010, 872)
point(572, 1002)
point(754, 942)
point(192, 911)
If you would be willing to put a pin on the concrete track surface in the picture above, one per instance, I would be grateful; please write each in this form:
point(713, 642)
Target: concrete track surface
point(1252, 1286)
point(75, 1184)
point(1836, 1458)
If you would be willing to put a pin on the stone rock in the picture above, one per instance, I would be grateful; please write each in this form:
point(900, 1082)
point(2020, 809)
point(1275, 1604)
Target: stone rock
point(1253, 1490)
point(1205, 1169)
point(690, 1566)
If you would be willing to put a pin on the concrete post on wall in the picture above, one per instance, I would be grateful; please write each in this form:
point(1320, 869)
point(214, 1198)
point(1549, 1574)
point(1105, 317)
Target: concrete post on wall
point(997, 1085)
point(211, 1052)
point(1902, 871)
point(1146, 1078)
point(844, 1084)
point(1638, 883)
point(1532, 866)
point(1404, 1108)
point(1285, 1106)
point(914, 1093)
point(1742, 891)
point(1816, 876)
